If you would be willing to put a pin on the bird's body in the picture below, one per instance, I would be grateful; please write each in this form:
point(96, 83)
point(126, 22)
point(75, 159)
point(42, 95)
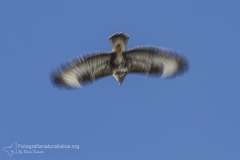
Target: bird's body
point(119, 42)
point(149, 60)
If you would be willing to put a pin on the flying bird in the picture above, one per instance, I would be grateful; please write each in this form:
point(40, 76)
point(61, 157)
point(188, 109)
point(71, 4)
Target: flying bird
point(160, 62)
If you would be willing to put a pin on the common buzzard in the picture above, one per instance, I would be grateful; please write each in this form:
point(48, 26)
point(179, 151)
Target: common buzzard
point(149, 60)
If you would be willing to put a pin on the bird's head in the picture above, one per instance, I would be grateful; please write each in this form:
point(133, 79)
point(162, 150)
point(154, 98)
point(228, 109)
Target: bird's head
point(119, 75)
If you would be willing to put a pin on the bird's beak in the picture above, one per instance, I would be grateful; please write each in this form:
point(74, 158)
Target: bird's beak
point(120, 80)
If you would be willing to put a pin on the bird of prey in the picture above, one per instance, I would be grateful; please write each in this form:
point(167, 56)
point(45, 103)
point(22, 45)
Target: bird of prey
point(119, 62)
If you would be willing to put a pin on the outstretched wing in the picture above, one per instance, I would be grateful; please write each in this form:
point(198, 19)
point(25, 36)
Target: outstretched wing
point(155, 61)
point(84, 70)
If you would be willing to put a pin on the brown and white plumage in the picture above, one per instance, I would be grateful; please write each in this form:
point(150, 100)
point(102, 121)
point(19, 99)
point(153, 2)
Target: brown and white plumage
point(148, 60)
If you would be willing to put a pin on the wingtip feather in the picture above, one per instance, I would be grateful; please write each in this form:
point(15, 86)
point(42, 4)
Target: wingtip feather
point(63, 82)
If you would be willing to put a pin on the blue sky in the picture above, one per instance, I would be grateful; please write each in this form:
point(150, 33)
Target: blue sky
point(194, 116)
